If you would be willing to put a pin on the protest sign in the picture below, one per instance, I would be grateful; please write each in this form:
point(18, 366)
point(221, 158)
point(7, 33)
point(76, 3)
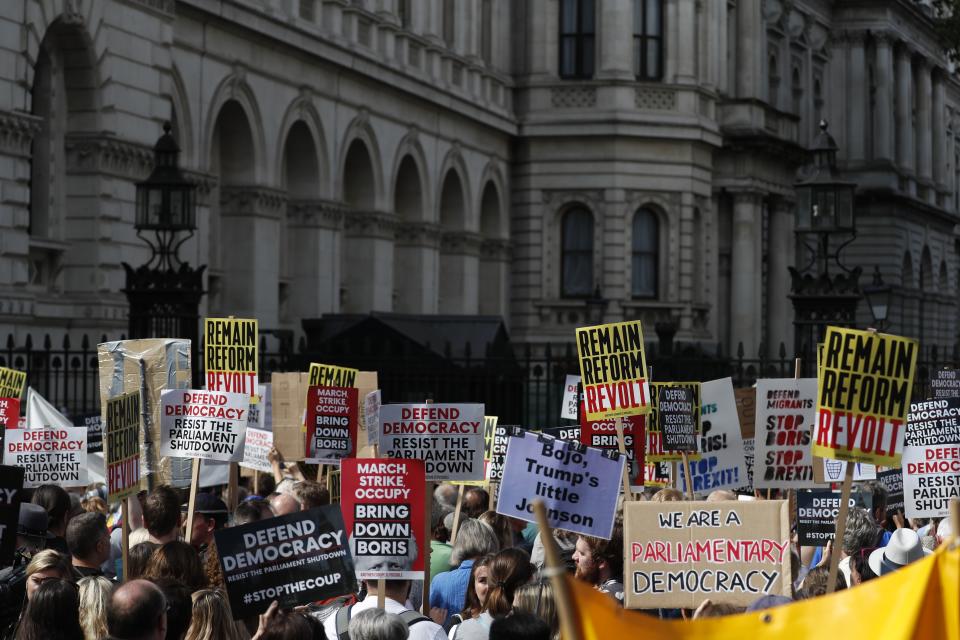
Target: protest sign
point(748, 460)
point(11, 493)
point(657, 475)
point(569, 434)
point(12, 383)
point(722, 464)
point(328, 375)
point(498, 453)
point(613, 370)
point(785, 414)
point(746, 410)
point(655, 449)
point(256, 447)
point(122, 454)
point(676, 554)
point(259, 410)
point(578, 485)
point(294, 559)
point(826, 470)
point(447, 437)
point(602, 434)
point(383, 506)
point(94, 427)
point(931, 458)
point(371, 415)
point(571, 396)
point(289, 395)
point(49, 455)
point(9, 414)
point(230, 355)
point(945, 384)
point(863, 396)
point(817, 513)
point(209, 425)
point(331, 424)
point(892, 481)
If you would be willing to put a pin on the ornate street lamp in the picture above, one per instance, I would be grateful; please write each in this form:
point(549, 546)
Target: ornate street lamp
point(824, 211)
point(879, 295)
point(164, 293)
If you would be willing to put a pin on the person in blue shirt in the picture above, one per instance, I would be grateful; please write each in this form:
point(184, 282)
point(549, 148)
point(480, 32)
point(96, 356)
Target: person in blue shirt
point(448, 590)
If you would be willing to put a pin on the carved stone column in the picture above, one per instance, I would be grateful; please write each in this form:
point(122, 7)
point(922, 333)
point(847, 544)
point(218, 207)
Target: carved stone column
point(459, 272)
point(367, 262)
point(314, 238)
point(416, 262)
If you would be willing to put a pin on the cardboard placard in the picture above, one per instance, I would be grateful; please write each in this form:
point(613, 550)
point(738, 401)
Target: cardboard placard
point(817, 513)
point(892, 481)
point(94, 426)
point(447, 437)
point(722, 463)
point(785, 414)
point(12, 383)
point(122, 453)
point(289, 406)
point(328, 375)
point(383, 506)
point(209, 425)
point(863, 396)
point(746, 410)
point(571, 396)
point(676, 554)
point(230, 355)
point(294, 559)
point(331, 424)
point(49, 455)
point(945, 383)
point(579, 485)
point(9, 414)
point(613, 370)
point(602, 434)
point(931, 458)
point(11, 493)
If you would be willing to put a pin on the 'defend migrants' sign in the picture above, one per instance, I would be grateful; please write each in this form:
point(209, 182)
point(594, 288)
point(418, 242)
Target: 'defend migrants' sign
point(613, 370)
point(676, 554)
point(863, 396)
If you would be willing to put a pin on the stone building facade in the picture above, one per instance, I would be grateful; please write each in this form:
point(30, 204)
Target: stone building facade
point(476, 157)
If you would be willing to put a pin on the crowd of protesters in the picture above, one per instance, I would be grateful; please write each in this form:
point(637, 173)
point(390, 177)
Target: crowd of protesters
point(488, 582)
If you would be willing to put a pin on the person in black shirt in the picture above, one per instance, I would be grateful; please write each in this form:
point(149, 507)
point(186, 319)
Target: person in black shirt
point(56, 501)
point(89, 542)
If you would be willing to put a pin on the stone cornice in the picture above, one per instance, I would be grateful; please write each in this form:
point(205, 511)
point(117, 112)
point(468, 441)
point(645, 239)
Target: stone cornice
point(99, 154)
point(315, 214)
point(417, 234)
point(495, 249)
point(16, 132)
point(369, 224)
point(251, 200)
point(461, 242)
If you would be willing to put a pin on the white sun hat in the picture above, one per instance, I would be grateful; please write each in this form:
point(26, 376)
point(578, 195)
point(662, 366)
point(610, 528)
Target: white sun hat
point(904, 547)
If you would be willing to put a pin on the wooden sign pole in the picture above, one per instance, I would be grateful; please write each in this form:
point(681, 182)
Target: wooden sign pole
point(687, 474)
point(456, 515)
point(233, 487)
point(191, 503)
point(841, 528)
point(622, 447)
point(125, 537)
point(382, 593)
point(556, 572)
point(428, 536)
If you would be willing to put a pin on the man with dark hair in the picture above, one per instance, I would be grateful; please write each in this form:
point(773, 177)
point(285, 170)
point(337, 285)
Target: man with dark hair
point(137, 611)
point(161, 514)
point(475, 502)
point(519, 626)
point(310, 494)
point(600, 562)
point(89, 543)
point(56, 501)
point(209, 514)
point(179, 607)
point(878, 508)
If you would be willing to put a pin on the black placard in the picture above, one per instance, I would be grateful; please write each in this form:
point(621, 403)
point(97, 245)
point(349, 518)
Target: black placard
point(892, 481)
point(94, 432)
point(569, 434)
point(817, 513)
point(677, 418)
point(498, 452)
point(945, 383)
point(11, 490)
point(293, 559)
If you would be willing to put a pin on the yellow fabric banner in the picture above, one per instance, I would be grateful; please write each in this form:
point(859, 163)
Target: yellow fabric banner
point(920, 601)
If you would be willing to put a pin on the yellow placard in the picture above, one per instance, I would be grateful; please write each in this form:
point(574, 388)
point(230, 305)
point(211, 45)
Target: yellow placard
point(329, 375)
point(489, 429)
point(230, 355)
point(12, 383)
point(613, 370)
point(121, 445)
point(864, 384)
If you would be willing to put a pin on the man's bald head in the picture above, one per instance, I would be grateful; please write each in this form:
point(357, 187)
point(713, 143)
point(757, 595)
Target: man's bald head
point(137, 611)
point(284, 503)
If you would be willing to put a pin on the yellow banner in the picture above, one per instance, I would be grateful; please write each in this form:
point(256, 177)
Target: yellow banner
point(230, 355)
point(864, 385)
point(920, 601)
point(12, 383)
point(121, 445)
point(613, 370)
point(329, 375)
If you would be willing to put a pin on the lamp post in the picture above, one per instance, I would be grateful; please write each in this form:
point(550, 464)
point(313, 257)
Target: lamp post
point(879, 295)
point(824, 212)
point(164, 293)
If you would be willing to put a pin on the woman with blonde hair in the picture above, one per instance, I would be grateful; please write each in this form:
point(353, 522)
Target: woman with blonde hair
point(48, 565)
point(536, 598)
point(94, 594)
point(211, 618)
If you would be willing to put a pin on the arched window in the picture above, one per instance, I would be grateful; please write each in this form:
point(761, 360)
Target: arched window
point(577, 254)
point(577, 31)
point(648, 39)
point(646, 240)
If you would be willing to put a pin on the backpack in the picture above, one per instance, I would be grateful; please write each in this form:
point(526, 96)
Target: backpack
point(345, 613)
